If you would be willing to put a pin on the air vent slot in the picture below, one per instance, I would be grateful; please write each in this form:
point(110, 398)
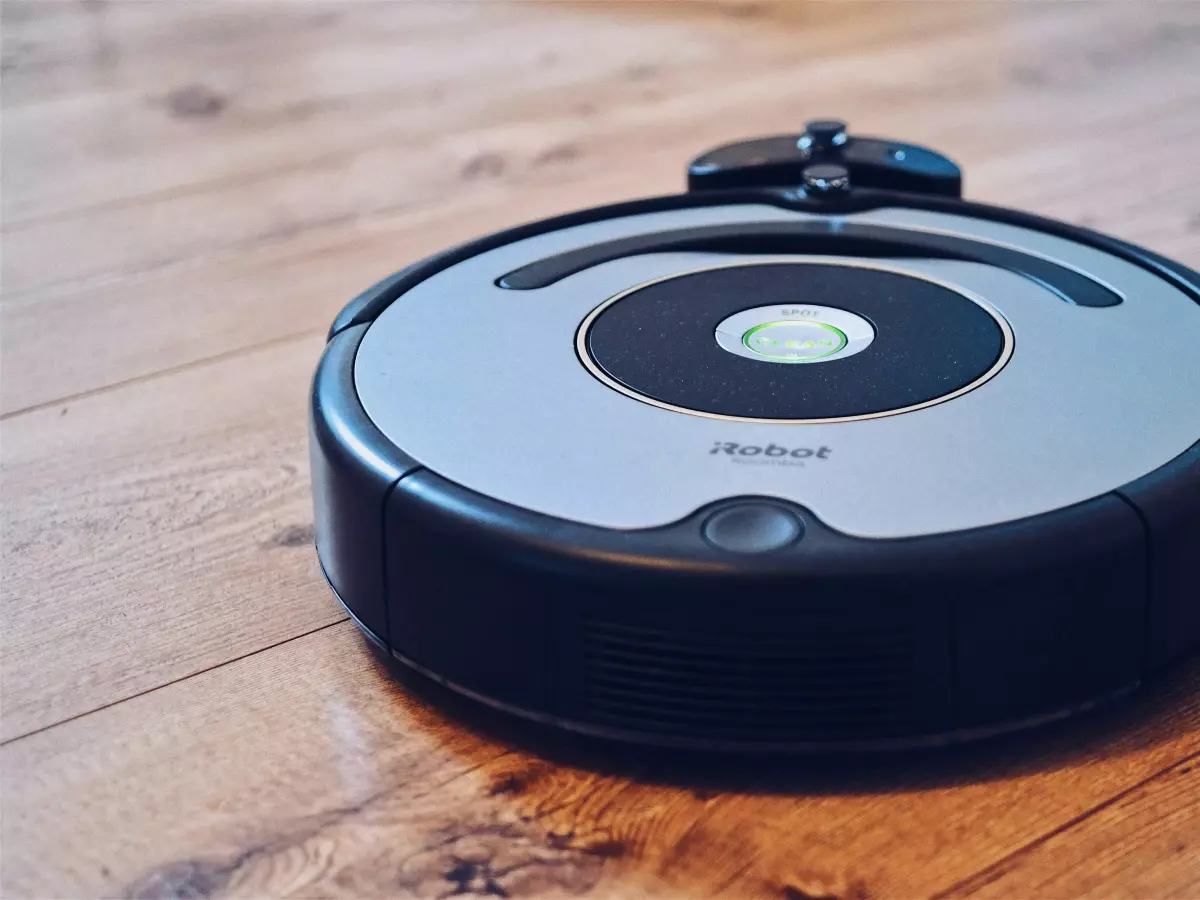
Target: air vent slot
point(819, 683)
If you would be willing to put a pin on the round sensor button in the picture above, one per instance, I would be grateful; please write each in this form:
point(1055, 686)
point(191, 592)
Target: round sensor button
point(800, 333)
point(752, 528)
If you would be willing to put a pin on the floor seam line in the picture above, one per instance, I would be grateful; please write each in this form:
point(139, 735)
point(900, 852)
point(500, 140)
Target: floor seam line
point(1078, 819)
point(282, 340)
point(173, 681)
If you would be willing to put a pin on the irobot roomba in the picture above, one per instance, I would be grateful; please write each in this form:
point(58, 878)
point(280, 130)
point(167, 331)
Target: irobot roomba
point(814, 455)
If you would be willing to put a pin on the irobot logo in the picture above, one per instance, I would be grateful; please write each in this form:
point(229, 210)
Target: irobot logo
point(771, 451)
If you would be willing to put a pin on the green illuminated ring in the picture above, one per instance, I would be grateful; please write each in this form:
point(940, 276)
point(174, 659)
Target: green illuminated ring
point(841, 335)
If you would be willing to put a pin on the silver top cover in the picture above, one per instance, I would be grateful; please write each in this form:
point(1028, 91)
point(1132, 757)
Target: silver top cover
point(483, 386)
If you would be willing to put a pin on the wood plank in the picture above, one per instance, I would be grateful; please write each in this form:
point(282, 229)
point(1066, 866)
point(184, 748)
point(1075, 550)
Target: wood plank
point(255, 261)
point(556, 152)
point(678, 100)
point(304, 770)
point(156, 531)
point(290, 98)
point(55, 51)
point(334, 173)
point(244, 297)
point(1143, 843)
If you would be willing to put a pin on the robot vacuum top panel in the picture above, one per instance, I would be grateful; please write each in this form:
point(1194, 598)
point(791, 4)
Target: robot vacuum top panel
point(892, 395)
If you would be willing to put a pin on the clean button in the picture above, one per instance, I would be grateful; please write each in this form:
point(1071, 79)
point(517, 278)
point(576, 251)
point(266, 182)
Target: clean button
point(795, 333)
point(794, 341)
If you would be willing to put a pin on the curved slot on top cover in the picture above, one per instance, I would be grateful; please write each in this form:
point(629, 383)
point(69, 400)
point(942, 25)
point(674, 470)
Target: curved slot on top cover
point(841, 239)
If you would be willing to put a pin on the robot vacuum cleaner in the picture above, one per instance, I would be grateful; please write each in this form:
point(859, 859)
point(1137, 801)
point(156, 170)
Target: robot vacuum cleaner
point(815, 455)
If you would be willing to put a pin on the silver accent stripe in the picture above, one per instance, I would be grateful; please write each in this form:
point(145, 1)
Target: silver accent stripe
point(1007, 245)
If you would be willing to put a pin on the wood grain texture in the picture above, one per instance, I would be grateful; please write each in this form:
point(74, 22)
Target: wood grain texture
point(190, 191)
point(156, 531)
point(241, 227)
point(1143, 842)
point(354, 787)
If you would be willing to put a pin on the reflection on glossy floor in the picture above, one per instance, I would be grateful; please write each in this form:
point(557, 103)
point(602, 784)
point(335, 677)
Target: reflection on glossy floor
point(190, 192)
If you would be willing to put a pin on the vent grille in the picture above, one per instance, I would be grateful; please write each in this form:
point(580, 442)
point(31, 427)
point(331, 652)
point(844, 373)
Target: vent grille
point(823, 684)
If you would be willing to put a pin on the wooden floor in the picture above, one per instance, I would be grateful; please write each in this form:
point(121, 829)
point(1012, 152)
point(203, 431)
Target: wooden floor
point(192, 190)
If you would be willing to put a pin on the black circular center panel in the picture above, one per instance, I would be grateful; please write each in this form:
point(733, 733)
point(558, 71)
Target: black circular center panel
point(659, 341)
